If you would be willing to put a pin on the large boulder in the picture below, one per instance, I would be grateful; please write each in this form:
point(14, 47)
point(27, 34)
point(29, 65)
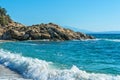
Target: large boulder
point(33, 34)
point(1, 32)
point(14, 35)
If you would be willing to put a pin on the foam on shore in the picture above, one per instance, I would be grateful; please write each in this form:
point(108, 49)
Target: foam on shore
point(41, 70)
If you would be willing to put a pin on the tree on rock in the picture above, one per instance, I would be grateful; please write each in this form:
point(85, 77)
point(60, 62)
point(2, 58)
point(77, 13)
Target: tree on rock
point(4, 18)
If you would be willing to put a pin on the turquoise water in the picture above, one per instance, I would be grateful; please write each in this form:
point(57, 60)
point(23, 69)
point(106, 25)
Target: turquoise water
point(97, 59)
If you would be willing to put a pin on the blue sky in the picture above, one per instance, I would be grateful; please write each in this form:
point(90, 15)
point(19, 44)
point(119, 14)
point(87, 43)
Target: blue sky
point(93, 15)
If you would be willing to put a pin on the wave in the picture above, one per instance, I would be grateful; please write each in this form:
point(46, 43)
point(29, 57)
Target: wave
point(113, 40)
point(25, 43)
point(102, 39)
point(41, 70)
point(87, 40)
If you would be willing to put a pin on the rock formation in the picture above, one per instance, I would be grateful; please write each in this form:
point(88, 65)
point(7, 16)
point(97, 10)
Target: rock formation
point(10, 30)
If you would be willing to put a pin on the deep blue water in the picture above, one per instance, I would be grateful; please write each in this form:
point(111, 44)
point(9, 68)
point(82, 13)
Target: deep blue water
point(99, 56)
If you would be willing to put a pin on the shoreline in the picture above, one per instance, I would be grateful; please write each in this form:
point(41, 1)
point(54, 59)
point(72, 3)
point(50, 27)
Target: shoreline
point(8, 74)
point(6, 41)
point(43, 40)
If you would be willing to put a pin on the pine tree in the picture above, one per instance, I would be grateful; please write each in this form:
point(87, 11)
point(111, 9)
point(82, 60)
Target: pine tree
point(4, 18)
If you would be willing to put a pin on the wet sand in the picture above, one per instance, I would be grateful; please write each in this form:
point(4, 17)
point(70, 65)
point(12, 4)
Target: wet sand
point(7, 74)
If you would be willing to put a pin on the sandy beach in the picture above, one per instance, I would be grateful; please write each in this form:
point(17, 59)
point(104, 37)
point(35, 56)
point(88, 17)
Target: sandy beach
point(7, 74)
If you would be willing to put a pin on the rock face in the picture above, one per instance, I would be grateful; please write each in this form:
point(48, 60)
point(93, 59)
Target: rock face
point(48, 31)
point(10, 30)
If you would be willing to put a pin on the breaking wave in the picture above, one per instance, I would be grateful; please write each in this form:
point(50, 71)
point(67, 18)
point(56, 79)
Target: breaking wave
point(100, 39)
point(113, 40)
point(41, 70)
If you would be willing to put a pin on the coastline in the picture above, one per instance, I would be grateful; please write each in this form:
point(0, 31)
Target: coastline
point(7, 74)
point(6, 41)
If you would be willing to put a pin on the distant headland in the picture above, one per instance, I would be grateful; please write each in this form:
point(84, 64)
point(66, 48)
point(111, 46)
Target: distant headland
point(10, 30)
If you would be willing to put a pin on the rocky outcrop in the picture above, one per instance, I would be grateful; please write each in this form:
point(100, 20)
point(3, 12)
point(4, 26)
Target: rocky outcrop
point(42, 31)
point(1, 32)
point(10, 30)
point(14, 35)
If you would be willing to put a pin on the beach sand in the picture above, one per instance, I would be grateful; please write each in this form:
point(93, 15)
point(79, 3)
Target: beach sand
point(7, 74)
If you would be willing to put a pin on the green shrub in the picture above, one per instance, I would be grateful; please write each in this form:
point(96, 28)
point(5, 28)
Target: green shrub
point(4, 18)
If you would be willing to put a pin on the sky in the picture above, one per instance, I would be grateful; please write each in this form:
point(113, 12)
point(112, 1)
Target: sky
point(92, 15)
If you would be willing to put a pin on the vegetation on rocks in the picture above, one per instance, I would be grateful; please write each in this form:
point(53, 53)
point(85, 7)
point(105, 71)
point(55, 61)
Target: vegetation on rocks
point(4, 18)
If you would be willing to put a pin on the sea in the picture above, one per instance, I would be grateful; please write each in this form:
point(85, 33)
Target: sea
point(96, 59)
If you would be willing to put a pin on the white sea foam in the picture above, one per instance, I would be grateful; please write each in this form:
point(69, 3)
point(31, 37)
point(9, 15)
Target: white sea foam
point(41, 70)
point(102, 39)
point(97, 39)
point(25, 43)
point(87, 40)
point(113, 40)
